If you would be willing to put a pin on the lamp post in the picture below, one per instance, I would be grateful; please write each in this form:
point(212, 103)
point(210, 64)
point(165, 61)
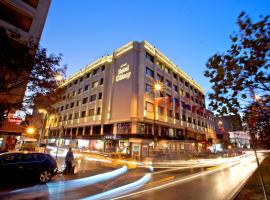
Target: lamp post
point(157, 88)
point(45, 115)
point(257, 98)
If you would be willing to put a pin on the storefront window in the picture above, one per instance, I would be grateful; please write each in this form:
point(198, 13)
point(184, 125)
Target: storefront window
point(123, 128)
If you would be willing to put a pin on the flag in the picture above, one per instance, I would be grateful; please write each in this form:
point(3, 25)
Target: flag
point(168, 102)
point(177, 105)
point(159, 100)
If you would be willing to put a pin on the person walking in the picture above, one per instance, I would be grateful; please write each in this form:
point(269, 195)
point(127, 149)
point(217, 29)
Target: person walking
point(68, 161)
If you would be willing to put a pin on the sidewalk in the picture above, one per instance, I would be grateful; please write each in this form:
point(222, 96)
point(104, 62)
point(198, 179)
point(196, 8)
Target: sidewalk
point(252, 189)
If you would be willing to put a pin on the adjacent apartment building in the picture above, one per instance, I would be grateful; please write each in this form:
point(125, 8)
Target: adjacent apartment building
point(132, 101)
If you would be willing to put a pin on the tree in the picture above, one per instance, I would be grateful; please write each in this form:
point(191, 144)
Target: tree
point(243, 70)
point(257, 119)
point(25, 67)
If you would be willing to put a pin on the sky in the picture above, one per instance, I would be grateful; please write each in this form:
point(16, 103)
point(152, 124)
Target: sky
point(188, 32)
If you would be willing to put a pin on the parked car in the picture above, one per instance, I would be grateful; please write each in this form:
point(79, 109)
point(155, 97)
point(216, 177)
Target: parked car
point(25, 165)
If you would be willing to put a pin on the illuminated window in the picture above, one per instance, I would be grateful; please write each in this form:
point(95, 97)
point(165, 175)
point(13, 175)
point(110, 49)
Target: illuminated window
point(161, 110)
point(149, 107)
point(95, 84)
point(91, 112)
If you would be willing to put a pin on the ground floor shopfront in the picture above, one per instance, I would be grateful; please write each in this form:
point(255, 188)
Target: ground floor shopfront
point(133, 139)
point(136, 148)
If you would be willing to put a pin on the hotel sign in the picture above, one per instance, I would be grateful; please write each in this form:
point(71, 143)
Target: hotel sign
point(123, 72)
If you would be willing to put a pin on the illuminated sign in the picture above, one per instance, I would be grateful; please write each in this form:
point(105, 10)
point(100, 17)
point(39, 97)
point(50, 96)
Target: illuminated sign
point(123, 72)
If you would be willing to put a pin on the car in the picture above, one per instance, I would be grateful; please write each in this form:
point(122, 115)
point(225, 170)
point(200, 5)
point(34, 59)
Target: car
point(22, 166)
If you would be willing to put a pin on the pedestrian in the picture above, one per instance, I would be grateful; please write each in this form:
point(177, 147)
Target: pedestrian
point(68, 161)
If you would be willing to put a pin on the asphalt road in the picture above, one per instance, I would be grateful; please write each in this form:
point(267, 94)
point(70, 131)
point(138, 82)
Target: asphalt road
point(217, 179)
point(213, 183)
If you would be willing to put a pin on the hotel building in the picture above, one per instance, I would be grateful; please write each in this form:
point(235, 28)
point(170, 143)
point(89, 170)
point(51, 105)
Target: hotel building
point(132, 101)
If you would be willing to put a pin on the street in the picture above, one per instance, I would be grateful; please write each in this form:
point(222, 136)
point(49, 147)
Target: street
point(219, 180)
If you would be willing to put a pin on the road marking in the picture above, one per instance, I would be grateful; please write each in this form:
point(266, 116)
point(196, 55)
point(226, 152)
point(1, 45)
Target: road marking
point(160, 181)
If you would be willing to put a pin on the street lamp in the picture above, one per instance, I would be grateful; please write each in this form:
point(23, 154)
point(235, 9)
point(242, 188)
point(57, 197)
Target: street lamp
point(45, 113)
point(30, 130)
point(157, 88)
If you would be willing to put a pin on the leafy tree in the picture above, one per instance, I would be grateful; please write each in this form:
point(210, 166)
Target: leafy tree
point(25, 67)
point(257, 118)
point(243, 70)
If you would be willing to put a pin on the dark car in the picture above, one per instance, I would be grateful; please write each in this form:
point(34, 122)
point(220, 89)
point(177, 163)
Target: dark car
point(21, 165)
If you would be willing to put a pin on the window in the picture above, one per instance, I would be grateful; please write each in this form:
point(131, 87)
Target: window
point(78, 103)
point(83, 113)
point(170, 113)
point(186, 84)
point(166, 69)
point(76, 116)
point(181, 91)
point(65, 118)
point(175, 75)
point(73, 93)
point(70, 117)
point(79, 91)
point(86, 87)
point(95, 84)
point(181, 79)
point(148, 88)
point(177, 115)
point(161, 110)
point(62, 108)
point(160, 78)
point(194, 121)
point(91, 112)
point(187, 95)
point(66, 106)
point(64, 97)
point(57, 110)
point(100, 95)
point(85, 100)
point(81, 79)
point(60, 119)
point(102, 68)
point(101, 81)
point(168, 83)
point(88, 75)
point(98, 111)
point(149, 107)
point(92, 98)
point(95, 72)
point(189, 120)
point(149, 72)
point(183, 117)
point(192, 98)
point(75, 82)
point(175, 88)
point(149, 57)
point(71, 104)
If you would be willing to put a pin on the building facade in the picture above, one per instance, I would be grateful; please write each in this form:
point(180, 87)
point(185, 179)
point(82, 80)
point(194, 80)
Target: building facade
point(114, 104)
point(26, 17)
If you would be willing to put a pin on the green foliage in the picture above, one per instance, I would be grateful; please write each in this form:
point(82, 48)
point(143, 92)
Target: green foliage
point(243, 70)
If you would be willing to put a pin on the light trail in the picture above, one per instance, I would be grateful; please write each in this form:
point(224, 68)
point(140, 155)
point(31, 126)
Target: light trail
point(244, 161)
point(121, 190)
point(62, 186)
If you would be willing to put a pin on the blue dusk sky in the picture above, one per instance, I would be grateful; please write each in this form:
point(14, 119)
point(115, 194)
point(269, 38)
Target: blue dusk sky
point(188, 32)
